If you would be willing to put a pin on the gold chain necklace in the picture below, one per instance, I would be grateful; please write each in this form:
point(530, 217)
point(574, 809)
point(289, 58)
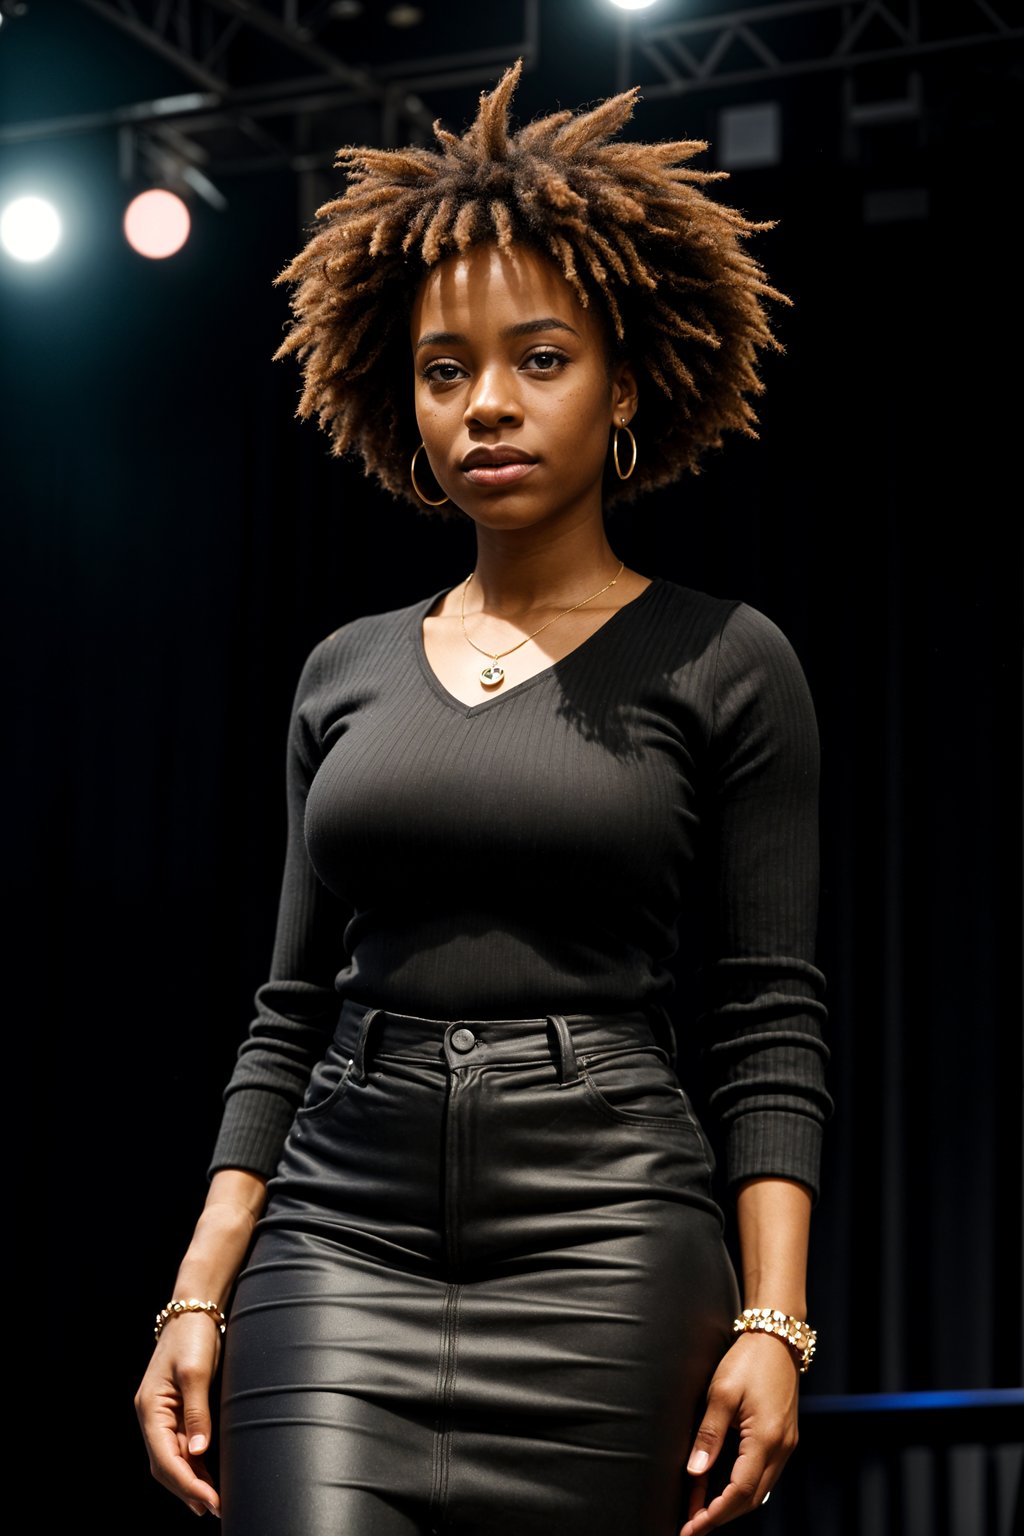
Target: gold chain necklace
point(491, 676)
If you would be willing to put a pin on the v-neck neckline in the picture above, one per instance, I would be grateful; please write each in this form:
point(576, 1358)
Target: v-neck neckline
point(420, 612)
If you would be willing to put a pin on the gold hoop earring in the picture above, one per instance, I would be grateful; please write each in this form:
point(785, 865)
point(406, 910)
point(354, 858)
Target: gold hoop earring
point(419, 493)
point(615, 451)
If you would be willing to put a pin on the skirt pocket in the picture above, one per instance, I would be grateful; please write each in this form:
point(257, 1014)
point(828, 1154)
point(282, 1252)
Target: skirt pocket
point(637, 1085)
point(328, 1084)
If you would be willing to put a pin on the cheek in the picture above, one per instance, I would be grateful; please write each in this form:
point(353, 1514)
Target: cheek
point(594, 397)
point(426, 416)
point(433, 413)
point(587, 420)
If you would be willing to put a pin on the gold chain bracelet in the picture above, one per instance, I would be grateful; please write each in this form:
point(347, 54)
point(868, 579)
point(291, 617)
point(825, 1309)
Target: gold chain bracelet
point(173, 1308)
point(798, 1335)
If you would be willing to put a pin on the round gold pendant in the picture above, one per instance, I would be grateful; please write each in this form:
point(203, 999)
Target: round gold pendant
point(492, 675)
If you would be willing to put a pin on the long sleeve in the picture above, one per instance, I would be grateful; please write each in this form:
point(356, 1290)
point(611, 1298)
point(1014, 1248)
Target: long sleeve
point(297, 1007)
point(762, 1029)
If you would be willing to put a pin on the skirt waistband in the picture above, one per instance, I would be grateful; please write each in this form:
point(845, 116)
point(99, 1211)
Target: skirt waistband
point(364, 1031)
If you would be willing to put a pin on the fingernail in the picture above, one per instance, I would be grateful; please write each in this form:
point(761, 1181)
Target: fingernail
point(197, 1444)
point(698, 1461)
point(215, 1513)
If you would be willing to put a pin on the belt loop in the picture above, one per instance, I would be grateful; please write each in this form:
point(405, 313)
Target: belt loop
point(568, 1070)
point(359, 1054)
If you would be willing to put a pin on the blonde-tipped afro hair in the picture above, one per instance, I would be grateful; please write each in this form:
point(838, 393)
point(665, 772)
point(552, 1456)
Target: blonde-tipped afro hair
point(627, 226)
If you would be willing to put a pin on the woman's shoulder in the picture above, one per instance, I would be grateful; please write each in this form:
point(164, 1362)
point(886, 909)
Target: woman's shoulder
point(362, 637)
point(732, 625)
point(690, 606)
point(732, 663)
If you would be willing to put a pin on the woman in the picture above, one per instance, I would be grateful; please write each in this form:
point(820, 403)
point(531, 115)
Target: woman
point(487, 1288)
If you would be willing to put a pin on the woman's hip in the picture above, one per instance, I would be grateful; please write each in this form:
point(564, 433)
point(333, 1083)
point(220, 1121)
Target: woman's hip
point(491, 1263)
point(461, 1143)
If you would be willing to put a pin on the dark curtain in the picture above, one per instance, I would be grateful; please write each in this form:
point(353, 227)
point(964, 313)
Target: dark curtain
point(179, 541)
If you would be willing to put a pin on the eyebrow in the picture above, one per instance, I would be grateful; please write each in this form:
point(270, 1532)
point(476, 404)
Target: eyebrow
point(524, 328)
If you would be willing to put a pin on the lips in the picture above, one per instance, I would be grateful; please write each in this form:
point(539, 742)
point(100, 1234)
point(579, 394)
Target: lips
point(497, 466)
point(491, 458)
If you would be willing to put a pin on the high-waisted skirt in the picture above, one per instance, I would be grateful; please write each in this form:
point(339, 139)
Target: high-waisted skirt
point(488, 1292)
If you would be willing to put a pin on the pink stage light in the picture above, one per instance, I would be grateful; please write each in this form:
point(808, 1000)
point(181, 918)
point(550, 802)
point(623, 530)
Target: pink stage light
point(156, 224)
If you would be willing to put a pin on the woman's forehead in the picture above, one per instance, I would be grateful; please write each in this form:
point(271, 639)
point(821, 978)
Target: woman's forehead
point(487, 285)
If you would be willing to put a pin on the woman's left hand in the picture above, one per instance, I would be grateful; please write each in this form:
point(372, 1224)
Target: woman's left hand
point(756, 1391)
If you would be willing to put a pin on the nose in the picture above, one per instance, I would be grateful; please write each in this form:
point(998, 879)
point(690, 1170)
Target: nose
point(493, 400)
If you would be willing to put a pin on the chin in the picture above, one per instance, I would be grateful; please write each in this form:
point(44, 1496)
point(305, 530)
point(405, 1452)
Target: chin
point(501, 512)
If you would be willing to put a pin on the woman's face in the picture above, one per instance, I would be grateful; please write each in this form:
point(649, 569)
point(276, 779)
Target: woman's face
point(515, 397)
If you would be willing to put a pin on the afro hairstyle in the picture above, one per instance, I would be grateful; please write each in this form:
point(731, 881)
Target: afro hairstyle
point(625, 223)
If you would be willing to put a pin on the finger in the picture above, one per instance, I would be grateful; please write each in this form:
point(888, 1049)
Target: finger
point(698, 1496)
point(766, 1485)
point(194, 1438)
point(195, 1408)
point(707, 1442)
point(174, 1470)
point(211, 1497)
point(719, 1512)
point(736, 1499)
point(748, 1482)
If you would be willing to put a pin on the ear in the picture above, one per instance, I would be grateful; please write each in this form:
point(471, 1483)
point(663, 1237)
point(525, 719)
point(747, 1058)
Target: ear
point(625, 395)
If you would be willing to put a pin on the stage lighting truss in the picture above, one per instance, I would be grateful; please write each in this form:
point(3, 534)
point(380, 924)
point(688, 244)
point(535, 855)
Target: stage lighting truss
point(764, 44)
point(299, 97)
point(761, 44)
point(302, 98)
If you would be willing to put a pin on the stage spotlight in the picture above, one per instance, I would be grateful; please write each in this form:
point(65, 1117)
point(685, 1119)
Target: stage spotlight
point(156, 224)
point(632, 5)
point(29, 229)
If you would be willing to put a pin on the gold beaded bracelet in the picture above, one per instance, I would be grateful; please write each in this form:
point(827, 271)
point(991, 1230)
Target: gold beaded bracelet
point(173, 1308)
point(798, 1335)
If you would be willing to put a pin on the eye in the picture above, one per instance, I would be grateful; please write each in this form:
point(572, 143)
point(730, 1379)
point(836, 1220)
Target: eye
point(546, 360)
point(442, 372)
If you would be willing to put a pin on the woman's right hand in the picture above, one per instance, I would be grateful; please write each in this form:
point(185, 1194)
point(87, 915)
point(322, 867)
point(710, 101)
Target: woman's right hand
point(173, 1400)
point(173, 1405)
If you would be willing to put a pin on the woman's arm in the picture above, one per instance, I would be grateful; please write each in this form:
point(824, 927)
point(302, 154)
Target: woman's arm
point(763, 1045)
point(173, 1400)
point(755, 1388)
point(297, 1006)
point(296, 1011)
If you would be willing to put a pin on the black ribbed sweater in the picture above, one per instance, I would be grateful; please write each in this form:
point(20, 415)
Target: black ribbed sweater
point(535, 852)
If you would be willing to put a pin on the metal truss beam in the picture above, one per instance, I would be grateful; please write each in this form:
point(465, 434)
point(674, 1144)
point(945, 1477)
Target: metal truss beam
point(760, 44)
point(288, 119)
point(202, 38)
point(196, 34)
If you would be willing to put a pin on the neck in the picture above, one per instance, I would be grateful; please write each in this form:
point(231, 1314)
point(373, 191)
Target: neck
point(515, 574)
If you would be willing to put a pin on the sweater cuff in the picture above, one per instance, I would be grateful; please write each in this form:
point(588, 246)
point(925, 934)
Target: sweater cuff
point(253, 1132)
point(774, 1144)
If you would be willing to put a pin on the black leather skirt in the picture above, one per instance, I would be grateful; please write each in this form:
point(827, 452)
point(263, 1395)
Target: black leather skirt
point(488, 1292)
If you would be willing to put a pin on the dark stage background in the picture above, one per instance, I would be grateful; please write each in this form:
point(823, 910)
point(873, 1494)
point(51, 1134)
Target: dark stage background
point(178, 542)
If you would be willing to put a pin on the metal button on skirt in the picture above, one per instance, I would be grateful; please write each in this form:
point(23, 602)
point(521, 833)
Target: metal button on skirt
point(488, 1292)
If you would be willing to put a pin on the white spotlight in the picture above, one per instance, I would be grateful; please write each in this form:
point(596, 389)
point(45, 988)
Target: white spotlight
point(156, 224)
point(29, 228)
point(632, 5)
